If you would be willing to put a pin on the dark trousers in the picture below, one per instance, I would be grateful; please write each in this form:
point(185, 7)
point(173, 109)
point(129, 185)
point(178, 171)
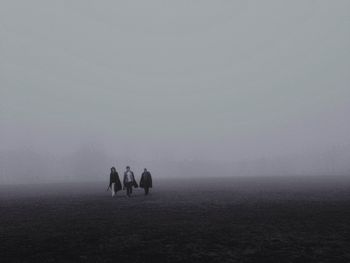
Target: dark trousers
point(129, 188)
point(146, 190)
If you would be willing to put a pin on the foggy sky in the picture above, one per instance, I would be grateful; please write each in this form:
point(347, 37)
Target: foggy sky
point(145, 82)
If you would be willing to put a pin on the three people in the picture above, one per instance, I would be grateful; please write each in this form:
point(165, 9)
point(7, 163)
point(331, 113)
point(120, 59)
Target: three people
point(114, 182)
point(146, 181)
point(129, 181)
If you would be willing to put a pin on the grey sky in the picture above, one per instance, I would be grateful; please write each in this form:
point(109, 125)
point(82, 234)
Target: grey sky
point(203, 80)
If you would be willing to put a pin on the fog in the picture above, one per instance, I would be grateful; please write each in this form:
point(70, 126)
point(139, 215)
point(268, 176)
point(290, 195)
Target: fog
point(185, 88)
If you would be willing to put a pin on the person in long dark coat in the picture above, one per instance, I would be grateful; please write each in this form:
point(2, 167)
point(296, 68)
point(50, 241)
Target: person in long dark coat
point(146, 181)
point(114, 182)
point(129, 181)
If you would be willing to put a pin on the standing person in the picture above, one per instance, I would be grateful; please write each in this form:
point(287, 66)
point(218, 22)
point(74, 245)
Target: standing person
point(129, 181)
point(114, 181)
point(146, 181)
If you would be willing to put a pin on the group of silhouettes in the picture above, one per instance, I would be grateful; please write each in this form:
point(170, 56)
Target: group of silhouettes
point(129, 181)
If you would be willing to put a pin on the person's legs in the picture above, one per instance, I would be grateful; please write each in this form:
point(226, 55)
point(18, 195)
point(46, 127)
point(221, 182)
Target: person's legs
point(146, 190)
point(128, 189)
point(112, 189)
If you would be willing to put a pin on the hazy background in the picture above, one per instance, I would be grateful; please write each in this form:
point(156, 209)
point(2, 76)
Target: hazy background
point(186, 88)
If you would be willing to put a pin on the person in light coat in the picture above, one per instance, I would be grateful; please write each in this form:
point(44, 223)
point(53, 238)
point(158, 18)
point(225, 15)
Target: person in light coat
point(129, 181)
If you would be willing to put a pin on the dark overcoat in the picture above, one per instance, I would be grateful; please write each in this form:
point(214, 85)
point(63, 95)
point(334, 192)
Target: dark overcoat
point(146, 180)
point(114, 178)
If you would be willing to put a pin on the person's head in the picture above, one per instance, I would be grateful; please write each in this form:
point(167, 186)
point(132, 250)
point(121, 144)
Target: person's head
point(145, 170)
point(113, 169)
point(128, 168)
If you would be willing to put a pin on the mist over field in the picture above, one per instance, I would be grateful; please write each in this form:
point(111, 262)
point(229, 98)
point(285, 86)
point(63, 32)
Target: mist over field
point(92, 165)
point(184, 88)
point(239, 110)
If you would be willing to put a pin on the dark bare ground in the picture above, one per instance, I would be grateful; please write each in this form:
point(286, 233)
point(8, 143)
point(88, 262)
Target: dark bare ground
point(228, 220)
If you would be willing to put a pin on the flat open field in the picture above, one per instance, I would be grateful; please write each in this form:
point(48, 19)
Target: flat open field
point(254, 219)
